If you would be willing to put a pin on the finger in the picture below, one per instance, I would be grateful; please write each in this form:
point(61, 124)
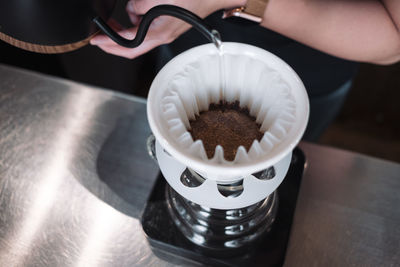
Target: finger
point(130, 34)
point(115, 25)
point(103, 39)
point(130, 52)
point(140, 7)
point(136, 7)
point(134, 18)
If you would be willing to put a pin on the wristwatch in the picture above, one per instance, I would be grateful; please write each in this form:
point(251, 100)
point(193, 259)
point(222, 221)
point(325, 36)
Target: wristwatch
point(253, 11)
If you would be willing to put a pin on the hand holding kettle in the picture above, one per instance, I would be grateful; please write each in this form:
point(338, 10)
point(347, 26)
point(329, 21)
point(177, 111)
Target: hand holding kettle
point(57, 27)
point(163, 29)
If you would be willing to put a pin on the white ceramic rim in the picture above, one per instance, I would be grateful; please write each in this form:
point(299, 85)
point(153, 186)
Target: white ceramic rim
point(279, 151)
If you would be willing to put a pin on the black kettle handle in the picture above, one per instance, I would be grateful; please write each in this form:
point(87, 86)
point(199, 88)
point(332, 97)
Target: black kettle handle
point(147, 18)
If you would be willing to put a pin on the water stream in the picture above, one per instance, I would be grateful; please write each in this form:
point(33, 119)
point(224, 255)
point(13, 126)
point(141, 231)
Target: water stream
point(219, 45)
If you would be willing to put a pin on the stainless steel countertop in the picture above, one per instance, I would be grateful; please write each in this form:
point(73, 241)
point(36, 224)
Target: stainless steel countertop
point(75, 176)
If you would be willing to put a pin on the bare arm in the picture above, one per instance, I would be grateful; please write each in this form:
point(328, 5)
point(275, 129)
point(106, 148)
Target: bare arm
point(356, 30)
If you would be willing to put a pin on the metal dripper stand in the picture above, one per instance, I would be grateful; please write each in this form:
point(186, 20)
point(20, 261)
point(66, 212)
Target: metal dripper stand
point(256, 234)
point(221, 231)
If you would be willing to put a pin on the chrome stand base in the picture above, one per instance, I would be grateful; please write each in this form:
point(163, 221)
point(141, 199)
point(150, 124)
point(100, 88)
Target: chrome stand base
point(267, 247)
point(221, 230)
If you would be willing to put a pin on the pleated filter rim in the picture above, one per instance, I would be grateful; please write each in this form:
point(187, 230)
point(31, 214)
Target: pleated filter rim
point(228, 78)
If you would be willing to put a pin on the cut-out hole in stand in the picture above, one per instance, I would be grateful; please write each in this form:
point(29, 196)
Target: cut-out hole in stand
point(266, 174)
point(191, 178)
point(151, 146)
point(231, 190)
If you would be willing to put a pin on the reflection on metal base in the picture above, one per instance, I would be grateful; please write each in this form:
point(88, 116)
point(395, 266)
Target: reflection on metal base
point(269, 250)
point(221, 229)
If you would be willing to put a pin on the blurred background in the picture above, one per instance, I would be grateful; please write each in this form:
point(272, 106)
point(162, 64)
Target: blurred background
point(368, 122)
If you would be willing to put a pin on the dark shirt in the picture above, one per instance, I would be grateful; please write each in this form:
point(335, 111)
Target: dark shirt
point(320, 72)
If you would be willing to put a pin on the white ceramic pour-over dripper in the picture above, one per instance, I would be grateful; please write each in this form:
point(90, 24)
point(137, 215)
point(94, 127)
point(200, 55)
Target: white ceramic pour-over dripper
point(256, 78)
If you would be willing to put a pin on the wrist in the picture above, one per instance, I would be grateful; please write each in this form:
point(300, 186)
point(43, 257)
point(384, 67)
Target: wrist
point(206, 8)
point(233, 3)
point(252, 10)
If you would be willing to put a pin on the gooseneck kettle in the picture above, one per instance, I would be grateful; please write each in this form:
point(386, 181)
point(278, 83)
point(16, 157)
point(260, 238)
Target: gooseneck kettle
point(49, 26)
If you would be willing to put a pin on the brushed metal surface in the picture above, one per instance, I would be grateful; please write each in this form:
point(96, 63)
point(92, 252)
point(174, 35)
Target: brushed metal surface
point(348, 211)
point(74, 174)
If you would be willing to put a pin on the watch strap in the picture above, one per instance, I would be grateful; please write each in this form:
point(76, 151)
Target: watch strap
point(256, 7)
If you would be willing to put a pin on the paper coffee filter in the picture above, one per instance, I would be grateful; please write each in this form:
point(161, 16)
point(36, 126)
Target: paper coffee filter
point(252, 76)
point(256, 87)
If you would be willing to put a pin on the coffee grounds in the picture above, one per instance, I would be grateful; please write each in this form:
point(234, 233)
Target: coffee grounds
point(225, 124)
